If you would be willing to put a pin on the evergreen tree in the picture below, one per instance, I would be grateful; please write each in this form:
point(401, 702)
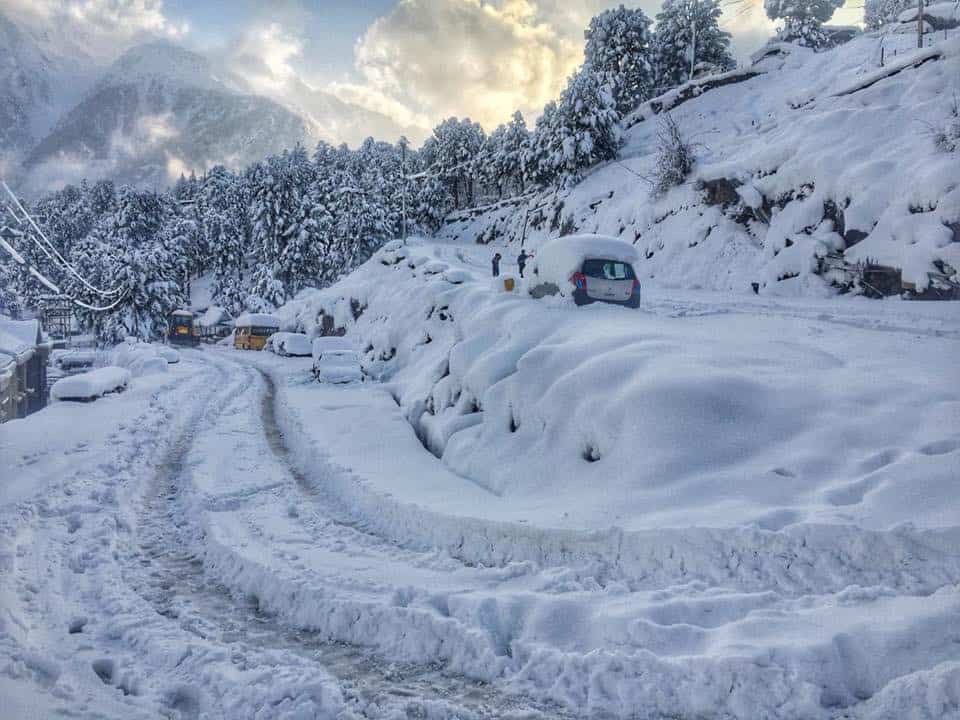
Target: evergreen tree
point(688, 35)
point(618, 50)
point(432, 203)
point(282, 231)
point(802, 19)
point(222, 208)
point(877, 13)
point(512, 163)
point(131, 248)
point(583, 129)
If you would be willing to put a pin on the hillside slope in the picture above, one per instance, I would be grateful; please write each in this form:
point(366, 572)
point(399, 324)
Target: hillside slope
point(760, 491)
point(807, 163)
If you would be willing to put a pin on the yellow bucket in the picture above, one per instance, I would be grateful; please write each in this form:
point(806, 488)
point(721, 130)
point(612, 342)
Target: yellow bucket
point(508, 284)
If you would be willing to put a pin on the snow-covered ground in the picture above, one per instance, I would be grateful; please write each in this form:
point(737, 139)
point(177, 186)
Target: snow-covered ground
point(714, 506)
point(809, 162)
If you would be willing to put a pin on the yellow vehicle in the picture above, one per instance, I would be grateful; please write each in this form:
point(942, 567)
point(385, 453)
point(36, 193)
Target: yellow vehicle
point(183, 330)
point(252, 330)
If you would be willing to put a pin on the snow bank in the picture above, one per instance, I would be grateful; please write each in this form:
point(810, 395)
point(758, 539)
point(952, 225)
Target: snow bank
point(91, 385)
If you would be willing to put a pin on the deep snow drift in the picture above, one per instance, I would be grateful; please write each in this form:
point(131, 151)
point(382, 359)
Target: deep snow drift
point(812, 163)
point(801, 454)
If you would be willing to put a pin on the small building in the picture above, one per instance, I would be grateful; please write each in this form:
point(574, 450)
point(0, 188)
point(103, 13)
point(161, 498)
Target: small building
point(24, 351)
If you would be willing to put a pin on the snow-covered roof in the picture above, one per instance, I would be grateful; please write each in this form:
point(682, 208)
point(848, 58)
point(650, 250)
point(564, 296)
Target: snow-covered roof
point(182, 313)
point(257, 320)
point(212, 316)
point(19, 338)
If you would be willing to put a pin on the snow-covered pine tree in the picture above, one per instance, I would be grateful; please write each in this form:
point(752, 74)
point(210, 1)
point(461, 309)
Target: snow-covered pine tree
point(512, 161)
point(432, 201)
point(540, 155)
point(618, 49)
point(222, 209)
point(688, 35)
point(802, 19)
point(279, 236)
point(490, 180)
point(134, 248)
point(877, 13)
point(456, 144)
point(583, 129)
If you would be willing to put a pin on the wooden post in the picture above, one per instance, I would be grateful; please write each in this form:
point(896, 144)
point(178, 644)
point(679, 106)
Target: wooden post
point(920, 24)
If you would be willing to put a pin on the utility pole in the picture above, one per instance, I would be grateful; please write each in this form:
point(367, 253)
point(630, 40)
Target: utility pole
point(920, 24)
point(403, 192)
point(693, 43)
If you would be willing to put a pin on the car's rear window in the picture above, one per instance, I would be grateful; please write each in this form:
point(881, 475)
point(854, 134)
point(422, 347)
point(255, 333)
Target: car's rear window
point(607, 269)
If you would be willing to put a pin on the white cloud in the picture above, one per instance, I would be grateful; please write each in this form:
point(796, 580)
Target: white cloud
point(263, 57)
point(476, 58)
point(115, 18)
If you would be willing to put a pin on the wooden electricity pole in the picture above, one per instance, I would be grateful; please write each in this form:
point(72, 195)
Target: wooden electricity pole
point(920, 24)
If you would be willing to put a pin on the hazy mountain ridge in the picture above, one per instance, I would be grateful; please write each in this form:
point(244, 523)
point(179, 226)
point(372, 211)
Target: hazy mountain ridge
point(155, 111)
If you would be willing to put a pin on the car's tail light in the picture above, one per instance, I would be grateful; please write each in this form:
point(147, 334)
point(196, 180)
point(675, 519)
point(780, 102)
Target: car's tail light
point(580, 280)
point(636, 286)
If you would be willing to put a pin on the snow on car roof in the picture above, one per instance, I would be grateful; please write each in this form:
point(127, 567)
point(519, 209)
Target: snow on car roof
point(560, 258)
point(258, 320)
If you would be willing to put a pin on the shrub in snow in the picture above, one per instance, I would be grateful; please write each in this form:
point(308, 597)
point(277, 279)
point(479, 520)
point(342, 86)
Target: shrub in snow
point(947, 136)
point(675, 156)
point(688, 35)
point(618, 49)
point(802, 19)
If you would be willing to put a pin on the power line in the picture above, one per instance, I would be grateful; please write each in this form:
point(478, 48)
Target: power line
point(46, 282)
point(63, 262)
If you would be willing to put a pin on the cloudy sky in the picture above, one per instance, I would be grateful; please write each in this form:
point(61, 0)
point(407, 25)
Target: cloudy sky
point(407, 62)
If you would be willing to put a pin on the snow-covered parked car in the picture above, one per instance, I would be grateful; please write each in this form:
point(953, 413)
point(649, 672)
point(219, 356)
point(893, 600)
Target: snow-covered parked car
point(335, 361)
point(91, 385)
point(588, 268)
point(435, 267)
point(456, 276)
point(289, 344)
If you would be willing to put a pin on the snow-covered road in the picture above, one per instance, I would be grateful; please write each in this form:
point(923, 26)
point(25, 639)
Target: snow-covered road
point(231, 539)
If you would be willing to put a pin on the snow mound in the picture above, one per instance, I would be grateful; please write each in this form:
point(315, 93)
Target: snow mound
point(91, 385)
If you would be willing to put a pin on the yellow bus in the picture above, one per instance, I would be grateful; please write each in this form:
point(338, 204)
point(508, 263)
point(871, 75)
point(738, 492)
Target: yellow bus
point(251, 330)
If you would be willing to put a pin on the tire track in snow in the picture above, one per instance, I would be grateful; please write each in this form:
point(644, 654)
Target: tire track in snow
point(168, 573)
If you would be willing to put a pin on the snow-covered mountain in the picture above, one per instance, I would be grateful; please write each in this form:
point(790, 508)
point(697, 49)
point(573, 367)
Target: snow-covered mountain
point(41, 75)
point(157, 111)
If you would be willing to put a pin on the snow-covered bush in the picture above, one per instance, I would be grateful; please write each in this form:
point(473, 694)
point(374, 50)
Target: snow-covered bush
point(947, 136)
point(675, 156)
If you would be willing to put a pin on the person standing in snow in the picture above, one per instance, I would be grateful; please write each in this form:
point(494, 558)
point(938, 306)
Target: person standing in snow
point(522, 261)
point(496, 265)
